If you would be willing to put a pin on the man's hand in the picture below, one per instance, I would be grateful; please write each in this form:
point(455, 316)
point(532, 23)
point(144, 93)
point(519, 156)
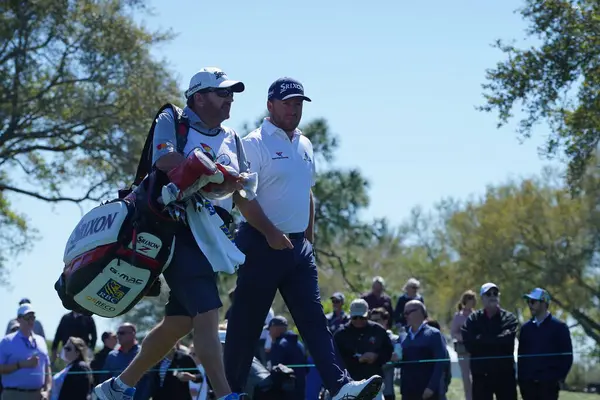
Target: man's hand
point(45, 394)
point(186, 377)
point(368, 357)
point(427, 393)
point(31, 362)
point(278, 241)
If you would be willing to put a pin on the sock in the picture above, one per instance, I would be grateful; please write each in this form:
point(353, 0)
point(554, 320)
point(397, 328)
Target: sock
point(120, 385)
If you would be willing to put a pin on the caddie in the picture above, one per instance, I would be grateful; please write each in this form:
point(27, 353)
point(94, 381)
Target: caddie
point(194, 300)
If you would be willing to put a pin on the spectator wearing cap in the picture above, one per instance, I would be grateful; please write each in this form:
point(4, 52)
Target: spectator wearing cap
point(545, 350)
point(288, 350)
point(337, 318)
point(120, 358)
point(377, 298)
point(109, 340)
point(24, 362)
point(364, 345)
point(38, 329)
point(411, 292)
point(194, 300)
point(277, 237)
point(489, 337)
point(422, 380)
point(74, 324)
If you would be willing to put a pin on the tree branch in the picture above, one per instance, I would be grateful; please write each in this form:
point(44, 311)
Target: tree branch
point(55, 199)
point(341, 267)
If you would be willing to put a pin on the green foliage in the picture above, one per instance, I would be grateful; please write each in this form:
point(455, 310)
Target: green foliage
point(557, 81)
point(520, 235)
point(78, 88)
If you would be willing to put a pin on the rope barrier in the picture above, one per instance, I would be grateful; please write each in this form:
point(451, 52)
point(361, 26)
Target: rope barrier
point(394, 363)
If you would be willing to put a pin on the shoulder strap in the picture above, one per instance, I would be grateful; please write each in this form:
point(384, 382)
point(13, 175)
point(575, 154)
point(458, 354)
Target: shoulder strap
point(145, 163)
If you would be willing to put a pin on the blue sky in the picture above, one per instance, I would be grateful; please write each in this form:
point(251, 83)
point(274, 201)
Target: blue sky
point(397, 81)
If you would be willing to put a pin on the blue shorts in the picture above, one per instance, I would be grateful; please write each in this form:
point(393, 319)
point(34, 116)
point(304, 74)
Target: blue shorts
point(191, 279)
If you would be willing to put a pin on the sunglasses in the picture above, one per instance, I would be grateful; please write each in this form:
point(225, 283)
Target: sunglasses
point(359, 318)
point(28, 317)
point(492, 293)
point(121, 333)
point(68, 348)
point(221, 92)
point(408, 312)
point(532, 302)
point(335, 301)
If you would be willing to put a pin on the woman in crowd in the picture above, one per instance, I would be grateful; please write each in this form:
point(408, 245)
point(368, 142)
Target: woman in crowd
point(411, 292)
point(465, 308)
point(75, 381)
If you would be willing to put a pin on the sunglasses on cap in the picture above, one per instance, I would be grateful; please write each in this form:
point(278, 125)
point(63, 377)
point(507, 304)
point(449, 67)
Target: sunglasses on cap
point(221, 92)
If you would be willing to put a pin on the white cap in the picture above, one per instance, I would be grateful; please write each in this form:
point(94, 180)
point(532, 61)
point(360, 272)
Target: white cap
point(379, 279)
point(359, 308)
point(212, 77)
point(487, 286)
point(25, 309)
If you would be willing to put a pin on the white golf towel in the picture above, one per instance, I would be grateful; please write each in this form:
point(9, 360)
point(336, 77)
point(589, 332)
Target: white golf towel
point(213, 237)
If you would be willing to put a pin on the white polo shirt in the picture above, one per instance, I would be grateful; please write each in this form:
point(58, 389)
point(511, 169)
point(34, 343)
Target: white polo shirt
point(286, 173)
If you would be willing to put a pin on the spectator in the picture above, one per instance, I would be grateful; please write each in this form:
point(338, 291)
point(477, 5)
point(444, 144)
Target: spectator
point(337, 318)
point(465, 308)
point(73, 324)
point(198, 388)
point(171, 378)
point(377, 298)
point(109, 339)
point(411, 292)
point(288, 350)
point(489, 337)
point(540, 377)
point(382, 317)
point(24, 361)
point(118, 360)
point(447, 379)
point(75, 381)
point(364, 346)
point(264, 343)
point(421, 380)
point(38, 329)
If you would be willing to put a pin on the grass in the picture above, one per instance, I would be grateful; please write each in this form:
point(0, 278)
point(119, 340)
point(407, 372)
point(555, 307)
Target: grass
point(455, 392)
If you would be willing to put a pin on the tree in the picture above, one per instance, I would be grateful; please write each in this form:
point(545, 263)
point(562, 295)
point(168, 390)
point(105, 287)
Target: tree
point(78, 91)
point(557, 81)
point(520, 235)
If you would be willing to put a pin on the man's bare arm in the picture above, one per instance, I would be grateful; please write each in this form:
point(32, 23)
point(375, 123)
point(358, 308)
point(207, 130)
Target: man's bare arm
point(169, 161)
point(310, 231)
point(9, 368)
point(254, 214)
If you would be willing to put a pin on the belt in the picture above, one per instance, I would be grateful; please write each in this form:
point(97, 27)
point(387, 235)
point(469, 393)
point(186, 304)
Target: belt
point(295, 236)
point(22, 390)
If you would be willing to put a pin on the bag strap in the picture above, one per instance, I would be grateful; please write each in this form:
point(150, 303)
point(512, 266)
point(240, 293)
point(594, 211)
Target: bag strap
point(145, 163)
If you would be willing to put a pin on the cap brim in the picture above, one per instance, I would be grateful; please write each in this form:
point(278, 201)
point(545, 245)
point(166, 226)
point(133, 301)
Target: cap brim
point(236, 86)
point(290, 96)
point(364, 315)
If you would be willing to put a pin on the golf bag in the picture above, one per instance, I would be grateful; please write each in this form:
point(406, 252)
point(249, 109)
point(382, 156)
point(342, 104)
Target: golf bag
point(116, 253)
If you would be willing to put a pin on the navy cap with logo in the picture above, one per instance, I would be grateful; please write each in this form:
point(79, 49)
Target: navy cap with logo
point(286, 88)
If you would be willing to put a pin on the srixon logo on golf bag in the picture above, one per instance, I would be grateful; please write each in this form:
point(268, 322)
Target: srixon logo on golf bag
point(113, 257)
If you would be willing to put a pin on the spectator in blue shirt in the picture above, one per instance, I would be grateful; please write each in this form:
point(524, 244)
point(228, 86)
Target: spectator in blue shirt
point(117, 360)
point(288, 350)
point(421, 380)
point(545, 350)
point(337, 318)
